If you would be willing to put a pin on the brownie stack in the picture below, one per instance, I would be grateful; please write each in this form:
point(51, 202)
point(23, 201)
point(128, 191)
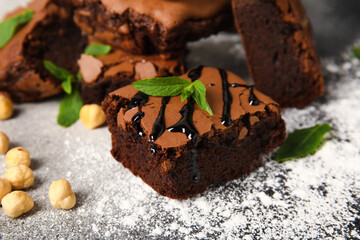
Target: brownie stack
point(148, 38)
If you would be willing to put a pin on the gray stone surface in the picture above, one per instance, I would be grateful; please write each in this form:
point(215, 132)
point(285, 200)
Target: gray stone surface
point(314, 197)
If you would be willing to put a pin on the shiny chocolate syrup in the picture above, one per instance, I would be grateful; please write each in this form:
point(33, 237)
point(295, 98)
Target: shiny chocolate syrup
point(138, 100)
point(227, 98)
point(186, 126)
point(159, 125)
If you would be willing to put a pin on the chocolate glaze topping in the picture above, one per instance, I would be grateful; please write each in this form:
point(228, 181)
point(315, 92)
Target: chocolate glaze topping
point(191, 114)
point(159, 125)
point(169, 12)
point(227, 98)
point(138, 100)
point(136, 119)
point(195, 73)
point(253, 100)
point(186, 125)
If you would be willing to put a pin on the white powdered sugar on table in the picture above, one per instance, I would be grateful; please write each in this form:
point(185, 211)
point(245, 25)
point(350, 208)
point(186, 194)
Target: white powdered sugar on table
point(314, 197)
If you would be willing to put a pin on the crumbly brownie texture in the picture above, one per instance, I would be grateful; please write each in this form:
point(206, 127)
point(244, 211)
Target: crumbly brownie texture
point(104, 74)
point(149, 26)
point(280, 50)
point(179, 149)
point(50, 35)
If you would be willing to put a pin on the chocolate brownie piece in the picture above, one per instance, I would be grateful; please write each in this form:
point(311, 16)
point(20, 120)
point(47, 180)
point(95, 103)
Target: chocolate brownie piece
point(104, 74)
point(280, 50)
point(50, 35)
point(151, 26)
point(179, 149)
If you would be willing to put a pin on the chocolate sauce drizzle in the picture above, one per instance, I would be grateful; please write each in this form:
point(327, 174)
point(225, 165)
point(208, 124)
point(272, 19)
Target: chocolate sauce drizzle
point(253, 100)
point(159, 125)
point(227, 98)
point(186, 126)
point(153, 149)
point(136, 122)
point(138, 100)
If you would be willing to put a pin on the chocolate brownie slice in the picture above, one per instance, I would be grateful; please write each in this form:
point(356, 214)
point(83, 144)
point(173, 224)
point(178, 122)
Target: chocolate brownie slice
point(280, 50)
point(150, 26)
point(104, 74)
point(179, 149)
point(50, 35)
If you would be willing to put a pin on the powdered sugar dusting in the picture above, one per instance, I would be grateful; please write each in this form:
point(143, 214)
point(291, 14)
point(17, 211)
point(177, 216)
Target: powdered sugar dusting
point(314, 197)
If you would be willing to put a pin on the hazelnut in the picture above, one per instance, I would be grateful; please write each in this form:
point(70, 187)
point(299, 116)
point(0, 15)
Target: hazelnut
point(17, 203)
point(17, 156)
point(92, 116)
point(19, 177)
point(5, 188)
point(61, 195)
point(4, 143)
point(6, 107)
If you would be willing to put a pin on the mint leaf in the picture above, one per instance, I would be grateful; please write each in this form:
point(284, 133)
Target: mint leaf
point(356, 52)
point(302, 142)
point(61, 74)
point(187, 91)
point(199, 96)
point(66, 85)
point(173, 86)
point(97, 49)
point(162, 86)
point(58, 72)
point(9, 27)
point(70, 106)
point(69, 109)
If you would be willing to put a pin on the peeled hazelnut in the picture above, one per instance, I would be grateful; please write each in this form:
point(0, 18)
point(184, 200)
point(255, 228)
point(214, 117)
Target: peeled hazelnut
point(5, 188)
point(17, 203)
point(61, 195)
point(19, 177)
point(92, 116)
point(4, 143)
point(6, 107)
point(17, 156)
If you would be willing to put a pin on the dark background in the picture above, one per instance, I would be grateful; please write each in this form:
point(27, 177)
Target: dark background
point(336, 24)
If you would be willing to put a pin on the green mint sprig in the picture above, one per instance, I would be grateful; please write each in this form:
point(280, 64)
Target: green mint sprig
point(302, 142)
point(9, 27)
point(61, 74)
point(71, 104)
point(97, 50)
point(174, 86)
point(69, 108)
point(356, 51)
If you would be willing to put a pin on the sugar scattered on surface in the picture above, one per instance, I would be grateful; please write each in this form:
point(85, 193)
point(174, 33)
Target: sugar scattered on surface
point(314, 197)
